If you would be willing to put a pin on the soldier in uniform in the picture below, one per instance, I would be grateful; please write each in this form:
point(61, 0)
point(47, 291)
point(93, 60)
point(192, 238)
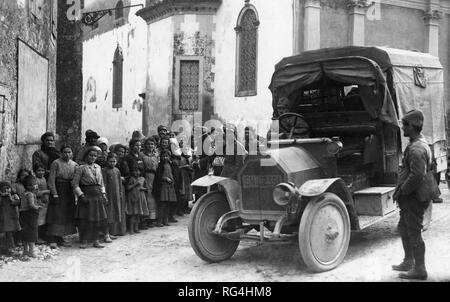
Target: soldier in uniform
point(414, 193)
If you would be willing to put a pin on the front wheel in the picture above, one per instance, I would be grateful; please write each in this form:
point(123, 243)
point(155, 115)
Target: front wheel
point(204, 217)
point(324, 233)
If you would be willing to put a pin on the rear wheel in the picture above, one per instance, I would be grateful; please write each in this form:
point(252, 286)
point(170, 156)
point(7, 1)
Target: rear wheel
point(324, 233)
point(204, 217)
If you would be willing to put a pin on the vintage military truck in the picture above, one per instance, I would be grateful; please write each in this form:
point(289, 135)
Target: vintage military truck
point(341, 178)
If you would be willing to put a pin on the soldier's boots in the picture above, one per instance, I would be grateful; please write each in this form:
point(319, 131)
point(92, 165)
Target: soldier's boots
point(405, 266)
point(419, 271)
point(408, 261)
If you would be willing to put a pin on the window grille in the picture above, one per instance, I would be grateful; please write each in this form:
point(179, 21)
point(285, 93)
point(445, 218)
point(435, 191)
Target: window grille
point(247, 35)
point(189, 85)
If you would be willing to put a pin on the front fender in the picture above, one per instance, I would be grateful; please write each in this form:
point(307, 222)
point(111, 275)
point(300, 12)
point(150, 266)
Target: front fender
point(317, 187)
point(230, 186)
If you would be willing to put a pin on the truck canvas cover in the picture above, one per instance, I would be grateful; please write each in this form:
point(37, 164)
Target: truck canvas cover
point(387, 79)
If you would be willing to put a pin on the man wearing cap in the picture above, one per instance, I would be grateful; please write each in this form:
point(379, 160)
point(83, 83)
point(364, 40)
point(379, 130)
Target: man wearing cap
point(291, 123)
point(414, 196)
point(162, 131)
point(91, 141)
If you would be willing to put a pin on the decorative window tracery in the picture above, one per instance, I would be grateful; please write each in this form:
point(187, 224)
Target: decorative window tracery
point(118, 78)
point(189, 85)
point(247, 52)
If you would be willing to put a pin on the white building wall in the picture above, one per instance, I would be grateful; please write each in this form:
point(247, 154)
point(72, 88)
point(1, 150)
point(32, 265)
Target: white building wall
point(160, 72)
point(275, 42)
point(98, 54)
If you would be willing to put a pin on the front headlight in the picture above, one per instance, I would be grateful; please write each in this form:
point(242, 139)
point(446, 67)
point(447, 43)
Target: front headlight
point(284, 193)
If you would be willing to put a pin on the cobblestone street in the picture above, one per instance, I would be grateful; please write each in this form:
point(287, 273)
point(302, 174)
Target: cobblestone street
point(165, 255)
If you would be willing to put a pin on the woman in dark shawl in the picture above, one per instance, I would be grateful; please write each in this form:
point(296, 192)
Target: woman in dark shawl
point(47, 154)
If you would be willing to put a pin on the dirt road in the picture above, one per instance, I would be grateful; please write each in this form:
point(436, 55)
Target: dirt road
point(165, 255)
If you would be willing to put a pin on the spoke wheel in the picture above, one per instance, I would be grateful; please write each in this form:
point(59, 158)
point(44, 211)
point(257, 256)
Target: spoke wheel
point(324, 233)
point(204, 217)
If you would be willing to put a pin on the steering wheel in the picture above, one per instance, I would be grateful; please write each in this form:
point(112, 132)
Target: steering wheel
point(294, 124)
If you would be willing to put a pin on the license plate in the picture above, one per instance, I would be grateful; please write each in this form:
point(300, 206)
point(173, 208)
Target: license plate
point(257, 181)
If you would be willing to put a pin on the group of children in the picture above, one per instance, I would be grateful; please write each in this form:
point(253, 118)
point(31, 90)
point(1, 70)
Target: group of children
point(23, 207)
point(143, 186)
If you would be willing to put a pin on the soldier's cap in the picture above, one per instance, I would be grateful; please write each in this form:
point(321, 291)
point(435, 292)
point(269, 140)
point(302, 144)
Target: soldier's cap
point(414, 117)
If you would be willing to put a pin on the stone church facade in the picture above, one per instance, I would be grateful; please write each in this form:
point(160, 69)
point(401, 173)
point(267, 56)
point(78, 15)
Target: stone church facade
point(213, 59)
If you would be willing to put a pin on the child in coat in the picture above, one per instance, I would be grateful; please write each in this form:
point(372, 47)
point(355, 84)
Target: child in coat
point(164, 188)
point(43, 196)
point(9, 216)
point(137, 206)
point(29, 214)
point(114, 193)
point(19, 188)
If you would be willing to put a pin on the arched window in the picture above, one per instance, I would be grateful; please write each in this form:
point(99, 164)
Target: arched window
point(119, 10)
point(118, 78)
point(247, 52)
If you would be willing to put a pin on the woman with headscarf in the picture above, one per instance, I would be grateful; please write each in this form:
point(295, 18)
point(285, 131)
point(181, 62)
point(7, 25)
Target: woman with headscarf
point(47, 154)
point(91, 193)
point(61, 210)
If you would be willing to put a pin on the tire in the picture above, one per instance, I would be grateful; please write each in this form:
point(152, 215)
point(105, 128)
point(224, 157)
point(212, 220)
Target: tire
point(204, 216)
point(324, 233)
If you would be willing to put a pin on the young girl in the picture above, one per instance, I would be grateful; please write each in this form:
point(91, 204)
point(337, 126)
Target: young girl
point(90, 190)
point(121, 228)
point(136, 199)
point(114, 193)
point(9, 215)
point(19, 189)
point(29, 214)
point(43, 195)
point(150, 158)
point(164, 188)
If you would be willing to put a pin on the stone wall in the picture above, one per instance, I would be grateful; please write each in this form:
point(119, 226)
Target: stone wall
point(17, 22)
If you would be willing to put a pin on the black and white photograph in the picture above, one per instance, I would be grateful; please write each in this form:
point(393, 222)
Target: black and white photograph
point(224, 141)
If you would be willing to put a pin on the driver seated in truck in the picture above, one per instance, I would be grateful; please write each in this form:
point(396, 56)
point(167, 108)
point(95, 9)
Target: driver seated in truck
point(279, 128)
